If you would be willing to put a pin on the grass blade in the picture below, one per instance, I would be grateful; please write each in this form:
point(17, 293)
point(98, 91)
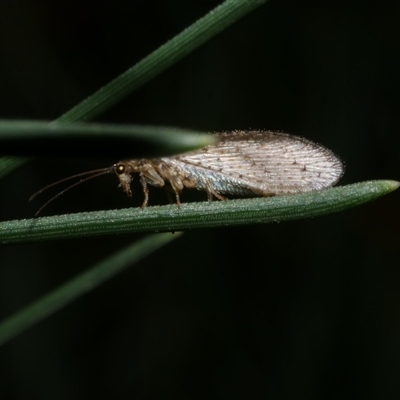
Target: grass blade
point(78, 286)
point(204, 29)
point(40, 138)
point(195, 215)
point(174, 50)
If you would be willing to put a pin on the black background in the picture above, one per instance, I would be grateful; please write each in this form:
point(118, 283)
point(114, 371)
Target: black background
point(306, 309)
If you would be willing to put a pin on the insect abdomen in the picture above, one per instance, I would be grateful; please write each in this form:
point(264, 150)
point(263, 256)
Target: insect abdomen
point(203, 179)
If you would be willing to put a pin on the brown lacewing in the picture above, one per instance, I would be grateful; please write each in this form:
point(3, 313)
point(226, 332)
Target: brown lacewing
point(241, 163)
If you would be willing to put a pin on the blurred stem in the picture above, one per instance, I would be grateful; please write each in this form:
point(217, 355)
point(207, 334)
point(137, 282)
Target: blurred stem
point(78, 286)
point(76, 140)
point(213, 23)
point(207, 27)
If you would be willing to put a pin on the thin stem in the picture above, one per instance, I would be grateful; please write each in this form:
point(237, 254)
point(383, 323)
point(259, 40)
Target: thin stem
point(70, 291)
point(195, 215)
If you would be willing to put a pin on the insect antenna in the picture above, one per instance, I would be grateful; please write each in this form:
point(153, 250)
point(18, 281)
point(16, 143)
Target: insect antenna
point(92, 174)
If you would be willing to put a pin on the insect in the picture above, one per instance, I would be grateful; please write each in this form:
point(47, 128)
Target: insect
point(241, 163)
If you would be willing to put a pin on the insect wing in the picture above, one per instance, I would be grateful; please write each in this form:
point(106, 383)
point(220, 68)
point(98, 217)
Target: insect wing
point(268, 163)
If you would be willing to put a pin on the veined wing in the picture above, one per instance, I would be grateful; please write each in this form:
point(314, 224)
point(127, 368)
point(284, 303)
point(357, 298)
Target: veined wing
point(268, 162)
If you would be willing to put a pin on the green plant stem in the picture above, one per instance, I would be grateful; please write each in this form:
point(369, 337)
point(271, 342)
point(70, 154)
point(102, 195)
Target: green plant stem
point(78, 286)
point(217, 20)
point(213, 23)
point(8, 164)
point(195, 215)
point(74, 140)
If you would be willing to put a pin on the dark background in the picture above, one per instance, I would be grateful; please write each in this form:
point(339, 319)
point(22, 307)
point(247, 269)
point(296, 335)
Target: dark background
point(307, 309)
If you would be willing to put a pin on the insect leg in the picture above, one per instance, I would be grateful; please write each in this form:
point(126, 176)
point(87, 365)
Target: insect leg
point(211, 192)
point(145, 190)
point(178, 200)
point(173, 189)
point(148, 175)
point(174, 180)
point(168, 191)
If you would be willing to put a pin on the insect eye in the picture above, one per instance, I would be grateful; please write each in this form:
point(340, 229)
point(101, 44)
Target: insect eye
point(120, 169)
